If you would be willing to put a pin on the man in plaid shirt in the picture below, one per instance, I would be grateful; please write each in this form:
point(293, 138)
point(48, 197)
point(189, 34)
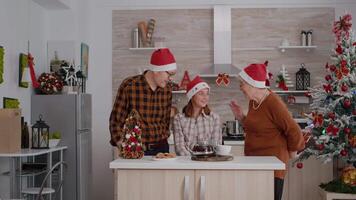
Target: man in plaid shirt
point(151, 95)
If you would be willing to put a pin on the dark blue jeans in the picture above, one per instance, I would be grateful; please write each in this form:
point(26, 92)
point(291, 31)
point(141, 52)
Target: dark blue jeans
point(155, 149)
point(278, 188)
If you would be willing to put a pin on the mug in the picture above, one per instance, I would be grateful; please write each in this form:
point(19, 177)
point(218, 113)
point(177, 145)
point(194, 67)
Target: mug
point(222, 150)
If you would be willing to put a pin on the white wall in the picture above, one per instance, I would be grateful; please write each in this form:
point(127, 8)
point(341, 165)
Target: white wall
point(20, 21)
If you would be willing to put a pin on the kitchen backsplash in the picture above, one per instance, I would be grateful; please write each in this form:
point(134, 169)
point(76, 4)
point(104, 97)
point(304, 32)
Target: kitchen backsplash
point(256, 34)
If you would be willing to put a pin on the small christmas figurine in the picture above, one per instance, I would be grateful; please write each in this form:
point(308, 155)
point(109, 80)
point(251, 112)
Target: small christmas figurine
point(131, 147)
point(283, 79)
point(185, 81)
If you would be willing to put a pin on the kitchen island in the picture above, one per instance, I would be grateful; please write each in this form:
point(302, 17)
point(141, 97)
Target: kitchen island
point(244, 178)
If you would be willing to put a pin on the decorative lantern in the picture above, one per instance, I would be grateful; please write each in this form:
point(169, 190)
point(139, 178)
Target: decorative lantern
point(81, 80)
point(302, 77)
point(40, 135)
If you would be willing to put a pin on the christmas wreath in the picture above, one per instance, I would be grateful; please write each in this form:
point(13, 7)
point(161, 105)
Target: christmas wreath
point(50, 83)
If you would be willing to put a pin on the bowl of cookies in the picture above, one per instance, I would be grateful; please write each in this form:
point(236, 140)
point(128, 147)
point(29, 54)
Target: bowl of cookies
point(164, 157)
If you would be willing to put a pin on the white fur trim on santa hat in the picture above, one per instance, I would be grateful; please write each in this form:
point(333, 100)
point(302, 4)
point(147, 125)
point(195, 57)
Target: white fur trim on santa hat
point(160, 68)
point(196, 89)
point(249, 80)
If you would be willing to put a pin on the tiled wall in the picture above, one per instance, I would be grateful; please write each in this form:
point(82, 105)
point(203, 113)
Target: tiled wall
point(189, 34)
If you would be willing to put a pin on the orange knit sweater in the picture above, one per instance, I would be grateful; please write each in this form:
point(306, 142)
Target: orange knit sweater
point(271, 131)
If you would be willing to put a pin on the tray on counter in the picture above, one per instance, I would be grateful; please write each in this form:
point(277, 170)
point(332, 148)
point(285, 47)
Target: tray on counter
point(213, 158)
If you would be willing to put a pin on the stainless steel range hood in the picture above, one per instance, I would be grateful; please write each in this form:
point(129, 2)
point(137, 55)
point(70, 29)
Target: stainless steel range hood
point(222, 44)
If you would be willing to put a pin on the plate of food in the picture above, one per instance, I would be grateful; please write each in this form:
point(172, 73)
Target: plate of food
point(164, 157)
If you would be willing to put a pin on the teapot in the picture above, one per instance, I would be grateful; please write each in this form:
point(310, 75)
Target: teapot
point(201, 149)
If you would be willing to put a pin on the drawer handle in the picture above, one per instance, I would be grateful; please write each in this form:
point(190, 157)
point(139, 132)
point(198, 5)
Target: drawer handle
point(202, 187)
point(186, 188)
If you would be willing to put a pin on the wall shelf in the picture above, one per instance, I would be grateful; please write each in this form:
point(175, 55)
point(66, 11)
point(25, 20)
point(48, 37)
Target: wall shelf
point(290, 91)
point(254, 49)
point(145, 48)
point(179, 91)
point(307, 48)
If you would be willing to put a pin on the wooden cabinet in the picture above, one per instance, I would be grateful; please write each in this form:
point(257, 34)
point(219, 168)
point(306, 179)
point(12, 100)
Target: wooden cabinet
point(155, 184)
point(194, 184)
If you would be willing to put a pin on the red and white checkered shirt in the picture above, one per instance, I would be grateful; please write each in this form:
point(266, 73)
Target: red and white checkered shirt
point(189, 131)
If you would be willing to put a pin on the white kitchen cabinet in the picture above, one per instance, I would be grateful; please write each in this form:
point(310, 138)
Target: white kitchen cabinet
point(185, 179)
point(155, 184)
point(233, 184)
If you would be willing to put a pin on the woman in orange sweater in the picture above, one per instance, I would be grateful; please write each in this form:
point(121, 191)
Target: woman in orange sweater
point(269, 128)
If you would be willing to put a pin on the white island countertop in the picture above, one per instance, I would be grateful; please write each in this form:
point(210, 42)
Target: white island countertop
point(184, 162)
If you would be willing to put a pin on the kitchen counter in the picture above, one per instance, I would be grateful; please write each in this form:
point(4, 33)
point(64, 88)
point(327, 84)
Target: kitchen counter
point(184, 162)
point(182, 178)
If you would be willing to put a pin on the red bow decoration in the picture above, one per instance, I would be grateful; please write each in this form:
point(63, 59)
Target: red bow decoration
point(223, 79)
point(31, 65)
point(343, 71)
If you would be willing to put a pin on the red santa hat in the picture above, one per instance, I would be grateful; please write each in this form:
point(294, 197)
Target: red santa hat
point(255, 75)
point(195, 86)
point(162, 60)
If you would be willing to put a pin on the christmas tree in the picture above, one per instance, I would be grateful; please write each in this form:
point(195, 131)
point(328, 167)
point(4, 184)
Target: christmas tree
point(132, 143)
point(333, 132)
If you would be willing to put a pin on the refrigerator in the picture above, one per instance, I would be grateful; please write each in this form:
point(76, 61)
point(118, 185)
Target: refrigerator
point(70, 114)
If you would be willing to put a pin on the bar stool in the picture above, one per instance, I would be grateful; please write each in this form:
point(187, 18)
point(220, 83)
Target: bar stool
point(40, 191)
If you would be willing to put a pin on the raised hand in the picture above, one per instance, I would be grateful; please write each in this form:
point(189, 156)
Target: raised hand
point(236, 110)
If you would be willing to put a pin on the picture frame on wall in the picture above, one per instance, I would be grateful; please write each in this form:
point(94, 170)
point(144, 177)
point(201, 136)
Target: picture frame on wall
point(84, 58)
point(60, 52)
point(10, 103)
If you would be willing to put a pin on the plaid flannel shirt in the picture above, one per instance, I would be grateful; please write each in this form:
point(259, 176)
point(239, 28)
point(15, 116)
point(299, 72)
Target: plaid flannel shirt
point(188, 131)
point(153, 106)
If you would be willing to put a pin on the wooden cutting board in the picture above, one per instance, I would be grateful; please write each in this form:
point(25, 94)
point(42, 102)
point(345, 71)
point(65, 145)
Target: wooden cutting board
point(214, 158)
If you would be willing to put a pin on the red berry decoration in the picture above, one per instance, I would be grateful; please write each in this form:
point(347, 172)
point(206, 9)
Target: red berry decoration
point(343, 152)
point(299, 165)
point(50, 83)
point(344, 88)
point(327, 77)
point(331, 115)
point(347, 130)
point(347, 103)
point(321, 147)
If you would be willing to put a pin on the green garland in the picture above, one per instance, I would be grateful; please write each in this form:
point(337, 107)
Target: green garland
point(1, 64)
point(338, 186)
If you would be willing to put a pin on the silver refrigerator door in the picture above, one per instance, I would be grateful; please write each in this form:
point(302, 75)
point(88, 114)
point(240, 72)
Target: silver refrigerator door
point(84, 112)
point(84, 164)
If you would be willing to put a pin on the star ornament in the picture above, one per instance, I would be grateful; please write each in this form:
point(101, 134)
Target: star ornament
point(71, 76)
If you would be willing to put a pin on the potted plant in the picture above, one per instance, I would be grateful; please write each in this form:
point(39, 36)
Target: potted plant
point(54, 139)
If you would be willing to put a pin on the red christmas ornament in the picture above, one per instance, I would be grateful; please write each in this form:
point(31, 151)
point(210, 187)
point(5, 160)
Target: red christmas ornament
point(338, 49)
point(328, 77)
point(347, 130)
point(343, 152)
point(344, 88)
point(347, 103)
point(299, 165)
point(321, 147)
point(332, 68)
point(331, 115)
